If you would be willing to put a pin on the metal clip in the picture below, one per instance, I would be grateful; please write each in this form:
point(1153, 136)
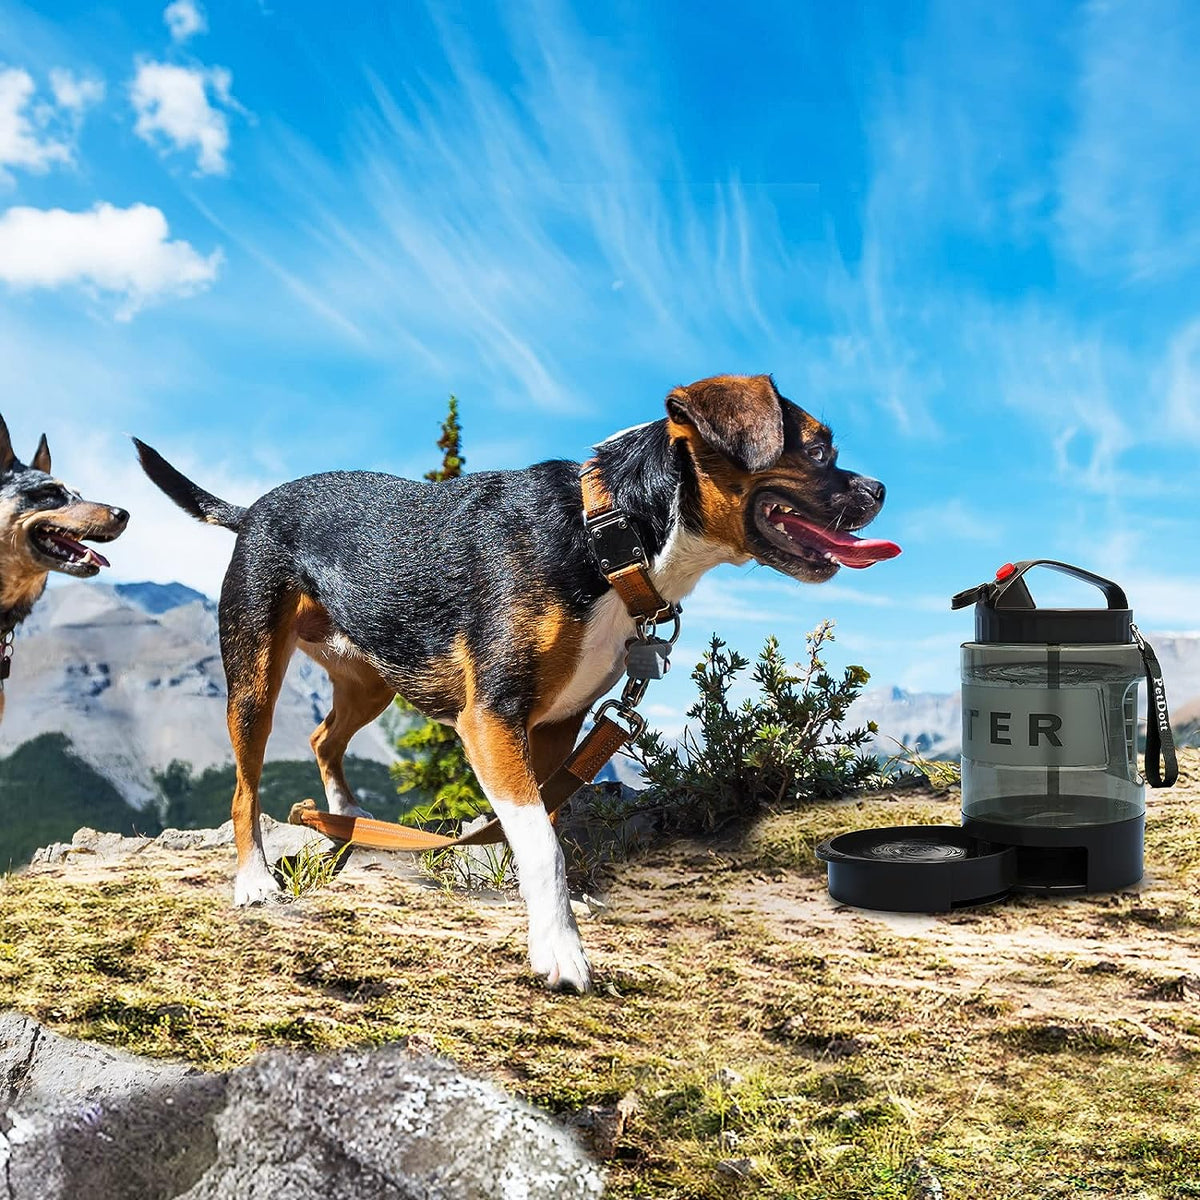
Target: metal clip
point(616, 543)
point(647, 627)
point(634, 720)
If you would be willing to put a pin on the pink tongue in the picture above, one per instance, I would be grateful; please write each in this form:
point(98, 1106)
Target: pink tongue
point(849, 550)
point(89, 555)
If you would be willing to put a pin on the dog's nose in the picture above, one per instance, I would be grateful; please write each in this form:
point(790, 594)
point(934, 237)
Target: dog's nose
point(872, 487)
point(119, 515)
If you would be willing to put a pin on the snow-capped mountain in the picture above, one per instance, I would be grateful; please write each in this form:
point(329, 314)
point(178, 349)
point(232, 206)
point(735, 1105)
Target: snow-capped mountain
point(928, 722)
point(132, 675)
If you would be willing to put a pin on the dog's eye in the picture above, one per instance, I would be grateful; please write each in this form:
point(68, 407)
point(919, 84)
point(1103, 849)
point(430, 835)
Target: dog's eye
point(49, 497)
point(819, 453)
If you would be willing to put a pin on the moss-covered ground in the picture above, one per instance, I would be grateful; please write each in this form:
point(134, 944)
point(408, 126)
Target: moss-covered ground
point(779, 1045)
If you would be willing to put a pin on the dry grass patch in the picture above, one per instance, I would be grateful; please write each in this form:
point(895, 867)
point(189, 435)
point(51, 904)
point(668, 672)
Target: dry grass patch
point(779, 1044)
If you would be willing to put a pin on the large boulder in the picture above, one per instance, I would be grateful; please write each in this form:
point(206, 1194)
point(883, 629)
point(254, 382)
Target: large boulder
point(87, 1123)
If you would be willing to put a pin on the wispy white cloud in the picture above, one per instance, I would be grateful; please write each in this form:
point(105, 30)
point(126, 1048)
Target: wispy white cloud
point(25, 140)
point(745, 597)
point(184, 19)
point(123, 253)
point(534, 226)
point(1179, 382)
point(952, 522)
point(75, 93)
point(1128, 181)
point(185, 108)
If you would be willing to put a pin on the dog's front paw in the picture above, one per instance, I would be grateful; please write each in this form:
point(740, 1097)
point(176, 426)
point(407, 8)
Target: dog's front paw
point(255, 884)
point(559, 958)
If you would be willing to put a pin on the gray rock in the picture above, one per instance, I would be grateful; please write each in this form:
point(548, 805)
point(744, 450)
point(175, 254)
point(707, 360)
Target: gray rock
point(90, 846)
point(195, 839)
point(56, 852)
point(38, 1067)
point(89, 1123)
point(483, 866)
point(382, 1125)
point(107, 848)
point(281, 840)
point(82, 1122)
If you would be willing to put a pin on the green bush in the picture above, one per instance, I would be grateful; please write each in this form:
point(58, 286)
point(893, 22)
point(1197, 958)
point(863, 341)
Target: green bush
point(434, 766)
point(787, 744)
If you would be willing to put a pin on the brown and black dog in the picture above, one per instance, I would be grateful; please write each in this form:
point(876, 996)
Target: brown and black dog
point(43, 524)
point(479, 601)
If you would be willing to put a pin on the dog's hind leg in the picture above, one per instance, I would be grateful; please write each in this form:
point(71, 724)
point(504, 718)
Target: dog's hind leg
point(499, 752)
point(359, 696)
point(256, 651)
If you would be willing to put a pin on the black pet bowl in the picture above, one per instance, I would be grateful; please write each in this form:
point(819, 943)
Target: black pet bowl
point(917, 868)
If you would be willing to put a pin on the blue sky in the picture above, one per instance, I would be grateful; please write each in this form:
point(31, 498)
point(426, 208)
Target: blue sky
point(966, 235)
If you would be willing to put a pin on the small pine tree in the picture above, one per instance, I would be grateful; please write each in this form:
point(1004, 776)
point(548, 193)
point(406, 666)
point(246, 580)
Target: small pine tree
point(450, 444)
point(433, 763)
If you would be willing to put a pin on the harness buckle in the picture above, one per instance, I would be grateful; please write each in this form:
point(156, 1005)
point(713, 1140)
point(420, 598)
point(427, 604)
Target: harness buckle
point(615, 543)
point(634, 720)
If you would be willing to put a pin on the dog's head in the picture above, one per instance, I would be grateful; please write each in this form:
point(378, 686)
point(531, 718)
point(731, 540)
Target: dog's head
point(768, 483)
point(43, 523)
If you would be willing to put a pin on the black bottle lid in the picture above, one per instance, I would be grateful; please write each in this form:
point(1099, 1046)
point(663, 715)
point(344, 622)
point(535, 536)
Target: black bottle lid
point(1005, 611)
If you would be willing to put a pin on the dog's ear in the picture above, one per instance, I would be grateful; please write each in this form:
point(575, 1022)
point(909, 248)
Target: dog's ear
point(7, 457)
point(41, 456)
point(739, 416)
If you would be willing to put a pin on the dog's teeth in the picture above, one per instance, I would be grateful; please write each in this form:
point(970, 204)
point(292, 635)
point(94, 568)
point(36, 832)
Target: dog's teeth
point(780, 526)
point(786, 508)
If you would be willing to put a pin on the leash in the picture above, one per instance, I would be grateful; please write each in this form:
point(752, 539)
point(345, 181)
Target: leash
point(618, 548)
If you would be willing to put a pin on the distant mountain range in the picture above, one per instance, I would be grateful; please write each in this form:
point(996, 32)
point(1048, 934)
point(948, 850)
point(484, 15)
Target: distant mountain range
point(131, 676)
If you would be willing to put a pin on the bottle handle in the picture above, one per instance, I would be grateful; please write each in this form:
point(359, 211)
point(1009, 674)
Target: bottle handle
point(1011, 591)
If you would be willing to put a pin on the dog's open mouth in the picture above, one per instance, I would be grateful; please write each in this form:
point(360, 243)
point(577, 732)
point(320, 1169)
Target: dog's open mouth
point(786, 530)
point(64, 550)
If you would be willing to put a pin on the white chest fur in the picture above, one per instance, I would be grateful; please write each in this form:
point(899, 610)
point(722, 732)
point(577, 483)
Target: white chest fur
point(676, 570)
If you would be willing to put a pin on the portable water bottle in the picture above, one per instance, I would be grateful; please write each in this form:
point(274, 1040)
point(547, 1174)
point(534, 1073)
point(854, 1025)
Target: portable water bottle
point(1049, 750)
point(1052, 800)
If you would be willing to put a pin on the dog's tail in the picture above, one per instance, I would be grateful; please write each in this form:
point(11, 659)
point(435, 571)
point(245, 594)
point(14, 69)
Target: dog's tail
point(194, 500)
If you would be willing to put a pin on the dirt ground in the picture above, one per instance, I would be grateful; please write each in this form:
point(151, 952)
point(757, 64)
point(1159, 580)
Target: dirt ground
point(764, 1040)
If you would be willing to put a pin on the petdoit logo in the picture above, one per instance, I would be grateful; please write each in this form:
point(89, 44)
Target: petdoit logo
point(1160, 701)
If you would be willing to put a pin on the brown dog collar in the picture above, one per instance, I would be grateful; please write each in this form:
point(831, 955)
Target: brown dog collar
point(617, 545)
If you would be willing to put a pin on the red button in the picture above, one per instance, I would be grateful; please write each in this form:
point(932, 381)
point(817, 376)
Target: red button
point(1005, 571)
